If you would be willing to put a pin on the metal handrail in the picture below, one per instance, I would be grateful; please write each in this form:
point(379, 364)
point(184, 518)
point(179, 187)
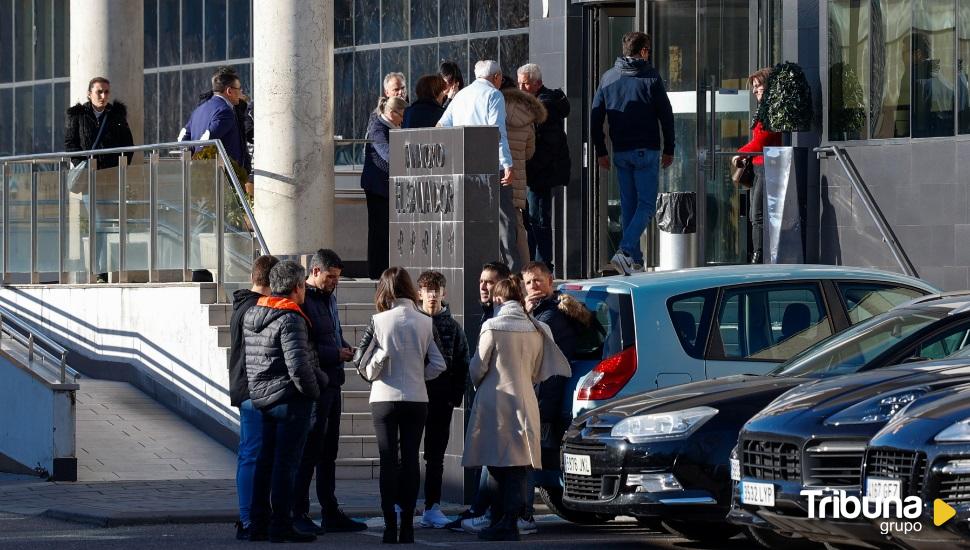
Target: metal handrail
point(888, 236)
point(182, 153)
point(30, 338)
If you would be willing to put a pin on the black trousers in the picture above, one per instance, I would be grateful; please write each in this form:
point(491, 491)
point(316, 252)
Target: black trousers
point(436, 432)
point(756, 210)
point(378, 225)
point(510, 495)
point(320, 456)
point(398, 426)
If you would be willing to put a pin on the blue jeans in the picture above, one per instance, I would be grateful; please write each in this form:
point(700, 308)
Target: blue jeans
point(250, 441)
point(285, 427)
point(637, 171)
point(540, 220)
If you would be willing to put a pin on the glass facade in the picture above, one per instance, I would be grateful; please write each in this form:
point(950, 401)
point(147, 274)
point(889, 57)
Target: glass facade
point(897, 69)
point(185, 40)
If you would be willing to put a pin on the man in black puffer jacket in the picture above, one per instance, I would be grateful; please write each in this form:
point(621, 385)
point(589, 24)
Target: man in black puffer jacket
point(281, 365)
point(320, 452)
point(444, 392)
point(250, 419)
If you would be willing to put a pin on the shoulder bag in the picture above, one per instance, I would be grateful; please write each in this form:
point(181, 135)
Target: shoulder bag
point(370, 359)
point(742, 171)
point(74, 182)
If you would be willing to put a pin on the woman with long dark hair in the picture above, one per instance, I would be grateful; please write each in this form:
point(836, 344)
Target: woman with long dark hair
point(398, 354)
point(450, 72)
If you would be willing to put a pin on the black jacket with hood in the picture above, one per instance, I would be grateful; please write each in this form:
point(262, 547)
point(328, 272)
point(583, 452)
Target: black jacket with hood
point(81, 131)
point(549, 166)
point(242, 300)
point(324, 333)
point(449, 387)
point(632, 97)
point(281, 364)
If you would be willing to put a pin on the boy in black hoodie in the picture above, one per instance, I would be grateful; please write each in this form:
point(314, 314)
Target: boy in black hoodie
point(444, 392)
point(250, 421)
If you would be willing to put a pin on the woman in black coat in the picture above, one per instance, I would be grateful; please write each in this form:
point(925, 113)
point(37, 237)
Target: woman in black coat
point(85, 123)
point(375, 181)
point(427, 110)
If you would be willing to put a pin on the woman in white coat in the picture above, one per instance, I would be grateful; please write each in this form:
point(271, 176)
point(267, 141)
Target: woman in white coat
point(398, 356)
point(514, 352)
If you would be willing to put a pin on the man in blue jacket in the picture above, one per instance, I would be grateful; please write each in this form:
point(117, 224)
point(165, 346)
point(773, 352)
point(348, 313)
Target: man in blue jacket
point(320, 452)
point(216, 118)
point(632, 97)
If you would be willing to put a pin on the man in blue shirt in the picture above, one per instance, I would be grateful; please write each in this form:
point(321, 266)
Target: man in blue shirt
point(216, 118)
point(482, 104)
point(631, 96)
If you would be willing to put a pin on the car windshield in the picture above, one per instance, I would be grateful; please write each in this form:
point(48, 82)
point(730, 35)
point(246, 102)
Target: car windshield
point(851, 350)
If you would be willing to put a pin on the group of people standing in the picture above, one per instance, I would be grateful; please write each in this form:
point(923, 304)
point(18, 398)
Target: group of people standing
point(533, 153)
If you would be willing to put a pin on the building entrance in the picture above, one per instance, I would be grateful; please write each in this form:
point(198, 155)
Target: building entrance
point(704, 50)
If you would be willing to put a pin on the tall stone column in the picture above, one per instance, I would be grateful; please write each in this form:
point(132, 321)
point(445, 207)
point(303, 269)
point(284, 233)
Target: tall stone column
point(108, 39)
point(293, 94)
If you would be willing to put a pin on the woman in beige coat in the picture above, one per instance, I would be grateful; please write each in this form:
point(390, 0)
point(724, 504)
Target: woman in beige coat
point(522, 112)
point(514, 352)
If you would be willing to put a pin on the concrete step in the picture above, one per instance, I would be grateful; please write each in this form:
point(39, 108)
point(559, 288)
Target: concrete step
point(356, 424)
point(358, 446)
point(225, 337)
point(219, 314)
point(352, 333)
point(358, 468)
point(356, 401)
point(355, 313)
point(353, 381)
point(360, 291)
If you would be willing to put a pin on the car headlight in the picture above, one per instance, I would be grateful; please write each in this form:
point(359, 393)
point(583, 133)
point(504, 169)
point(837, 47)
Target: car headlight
point(958, 432)
point(669, 425)
point(878, 409)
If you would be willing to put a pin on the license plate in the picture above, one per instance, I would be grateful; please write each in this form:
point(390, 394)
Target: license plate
point(882, 489)
point(576, 464)
point(735, 470)
point(758, 494)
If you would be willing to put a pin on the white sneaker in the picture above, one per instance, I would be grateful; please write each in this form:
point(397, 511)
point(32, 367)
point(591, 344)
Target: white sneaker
point(636, 268)
point(527, 526)
point(434, 517)
point(475, 525)
point(622, 262)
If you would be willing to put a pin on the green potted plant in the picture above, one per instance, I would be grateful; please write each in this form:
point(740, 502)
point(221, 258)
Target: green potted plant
point(787, 103)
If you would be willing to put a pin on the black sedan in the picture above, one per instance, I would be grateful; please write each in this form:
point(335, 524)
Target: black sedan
point(810, 444)
point(664, 454)
point(925, 452)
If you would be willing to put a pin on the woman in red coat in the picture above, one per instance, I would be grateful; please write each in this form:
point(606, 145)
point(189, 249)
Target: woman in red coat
point(760, 138)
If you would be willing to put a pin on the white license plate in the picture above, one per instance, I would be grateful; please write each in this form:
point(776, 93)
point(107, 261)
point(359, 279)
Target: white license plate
point(758, 494)
point(735, 470)
point(576, 464)
point(882, 489)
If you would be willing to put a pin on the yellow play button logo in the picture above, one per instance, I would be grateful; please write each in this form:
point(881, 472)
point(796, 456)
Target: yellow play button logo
point(942, 512)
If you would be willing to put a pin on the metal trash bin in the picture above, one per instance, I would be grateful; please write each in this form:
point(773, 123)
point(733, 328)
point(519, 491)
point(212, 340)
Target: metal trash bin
point(677, 222)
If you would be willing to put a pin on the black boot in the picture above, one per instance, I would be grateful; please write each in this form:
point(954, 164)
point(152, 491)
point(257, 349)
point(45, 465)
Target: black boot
point(390, 527)
point(407, 527)
point(505, 529)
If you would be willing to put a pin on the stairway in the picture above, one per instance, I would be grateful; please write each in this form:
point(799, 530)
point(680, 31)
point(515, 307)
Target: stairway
point(357, 458)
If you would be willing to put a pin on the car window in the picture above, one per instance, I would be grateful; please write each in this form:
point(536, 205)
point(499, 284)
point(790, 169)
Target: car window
point(690, 316)
point(943, 345)
point(612, 328)
point(859, 345)
point(867, 299)
point(771, 323)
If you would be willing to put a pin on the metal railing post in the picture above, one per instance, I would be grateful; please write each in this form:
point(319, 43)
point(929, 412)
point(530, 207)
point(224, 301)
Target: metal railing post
point(122, 219)
point(62, 205)
point(241, 194)
point(153, 217)
point(34, 277)
point(6, 221)
point(186, 246)
point(30, 348)
point(63, 367)
point(92, 222)
point(219, 227)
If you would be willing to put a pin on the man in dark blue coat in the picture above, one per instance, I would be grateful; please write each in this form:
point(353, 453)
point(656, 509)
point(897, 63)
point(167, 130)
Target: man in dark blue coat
point(216, 118)
point(632, 98)
point(320, 452)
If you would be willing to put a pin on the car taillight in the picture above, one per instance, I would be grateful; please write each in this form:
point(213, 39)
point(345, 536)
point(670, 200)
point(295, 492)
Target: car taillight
point(609, 376)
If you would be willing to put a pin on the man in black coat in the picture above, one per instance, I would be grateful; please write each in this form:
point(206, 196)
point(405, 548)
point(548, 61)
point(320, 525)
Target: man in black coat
point(284, 382)
point(549, 166)
point(320, 452)
point(250, 421)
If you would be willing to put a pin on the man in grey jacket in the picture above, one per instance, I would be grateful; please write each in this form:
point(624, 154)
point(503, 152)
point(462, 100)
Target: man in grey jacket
point(284, 381)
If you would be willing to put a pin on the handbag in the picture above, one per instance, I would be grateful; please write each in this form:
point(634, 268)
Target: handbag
point(74, 182)
point(742, 171)
point(370, 358)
